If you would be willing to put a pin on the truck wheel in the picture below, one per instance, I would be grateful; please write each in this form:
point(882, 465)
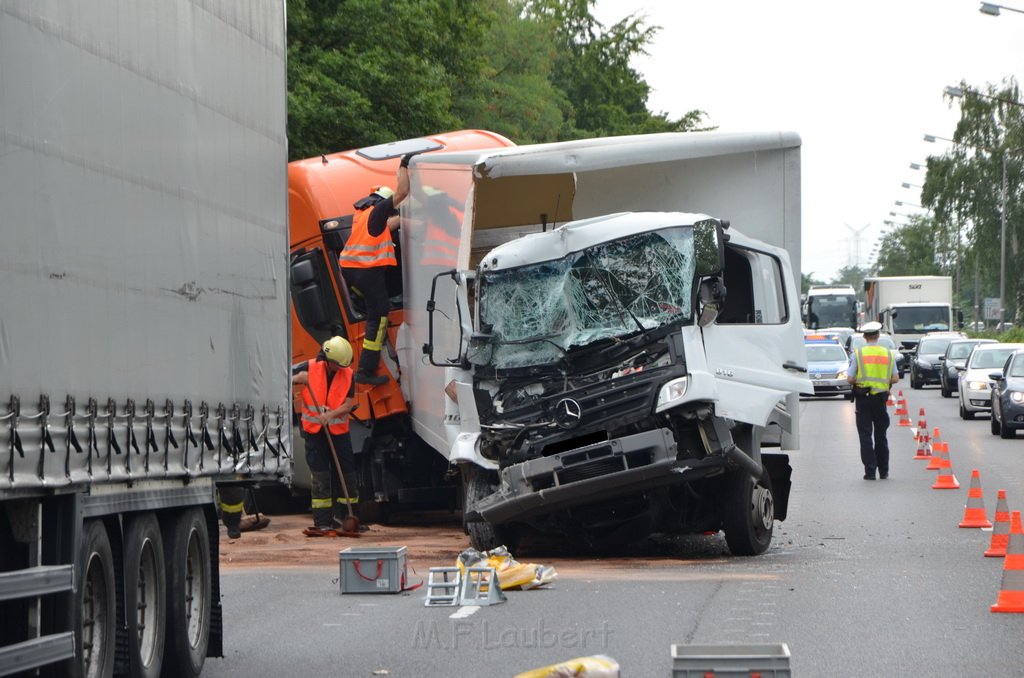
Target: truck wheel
point(189, 599)
point(96, 625)
point(145, 595)
point(748, 513)
point(477, 484)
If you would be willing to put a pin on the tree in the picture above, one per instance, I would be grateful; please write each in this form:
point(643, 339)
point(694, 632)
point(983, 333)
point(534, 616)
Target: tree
point(909, 249)
point(362, 72)
point(851, 275)
point(963, 187)
point(806, 280)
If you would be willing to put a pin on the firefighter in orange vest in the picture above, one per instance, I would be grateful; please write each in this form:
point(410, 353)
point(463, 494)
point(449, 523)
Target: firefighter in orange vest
point(368, 252)
point(327, 401)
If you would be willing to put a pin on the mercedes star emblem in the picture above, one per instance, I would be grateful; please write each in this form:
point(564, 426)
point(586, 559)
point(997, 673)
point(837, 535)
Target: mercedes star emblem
point(568, 413)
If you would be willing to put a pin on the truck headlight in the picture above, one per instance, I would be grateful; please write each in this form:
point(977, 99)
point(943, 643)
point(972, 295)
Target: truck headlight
point(671, 393)
point(977, 385)
point(1017, 397)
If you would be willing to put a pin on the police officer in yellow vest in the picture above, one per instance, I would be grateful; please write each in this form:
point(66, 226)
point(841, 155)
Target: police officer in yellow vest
point(368, 252)
point(872, 370)
point(327, 401)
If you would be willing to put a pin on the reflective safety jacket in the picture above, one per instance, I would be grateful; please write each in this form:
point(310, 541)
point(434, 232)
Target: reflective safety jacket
point(363, 250)
point(874, 368)
point(329, 400)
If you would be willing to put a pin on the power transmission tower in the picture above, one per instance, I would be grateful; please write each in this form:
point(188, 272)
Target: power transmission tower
point(856, 238)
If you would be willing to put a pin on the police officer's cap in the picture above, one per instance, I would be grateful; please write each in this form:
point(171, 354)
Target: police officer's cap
point(871, 327)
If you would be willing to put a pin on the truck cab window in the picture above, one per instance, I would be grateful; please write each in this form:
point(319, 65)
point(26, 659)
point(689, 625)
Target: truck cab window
point(753, 299)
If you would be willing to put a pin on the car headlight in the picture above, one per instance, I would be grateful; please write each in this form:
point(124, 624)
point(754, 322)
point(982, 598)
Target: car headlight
point(1017, 397)
point(671, 393)
point(924, 363)
point(841, 375)
point(977, 385)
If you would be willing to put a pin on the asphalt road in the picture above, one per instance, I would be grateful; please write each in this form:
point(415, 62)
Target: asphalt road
point(865, 578)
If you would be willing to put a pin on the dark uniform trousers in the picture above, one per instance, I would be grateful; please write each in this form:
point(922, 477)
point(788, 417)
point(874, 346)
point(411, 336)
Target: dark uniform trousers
point(324, 477)
point(872, 424)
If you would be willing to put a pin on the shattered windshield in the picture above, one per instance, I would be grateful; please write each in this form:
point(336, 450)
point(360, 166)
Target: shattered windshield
point(533, 314)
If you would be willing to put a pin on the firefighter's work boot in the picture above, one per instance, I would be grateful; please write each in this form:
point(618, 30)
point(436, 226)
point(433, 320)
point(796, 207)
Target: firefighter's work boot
point(369, 360)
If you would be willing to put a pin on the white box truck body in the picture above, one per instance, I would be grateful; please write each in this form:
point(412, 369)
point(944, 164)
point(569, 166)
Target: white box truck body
point(144, 349)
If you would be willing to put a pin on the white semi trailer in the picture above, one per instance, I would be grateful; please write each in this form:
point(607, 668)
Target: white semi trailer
point(144, 349)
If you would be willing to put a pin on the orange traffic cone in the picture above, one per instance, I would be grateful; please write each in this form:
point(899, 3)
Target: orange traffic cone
point(946, 479)
point(904, 419)
point(920, 413)
point(974, 512)
point(889, 402)
point(935, 433)
point(940, 457)
point(1001, 529)
point(1011, 592)
point(924, 449)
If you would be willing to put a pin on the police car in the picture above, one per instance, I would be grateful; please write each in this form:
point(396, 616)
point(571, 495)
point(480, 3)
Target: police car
point(827, 361)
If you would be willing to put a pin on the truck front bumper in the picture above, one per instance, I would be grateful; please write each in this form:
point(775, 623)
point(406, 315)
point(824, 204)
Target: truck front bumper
point(593, 473)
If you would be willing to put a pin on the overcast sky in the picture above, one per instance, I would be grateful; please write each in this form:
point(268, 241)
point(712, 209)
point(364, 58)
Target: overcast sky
point(860, 81)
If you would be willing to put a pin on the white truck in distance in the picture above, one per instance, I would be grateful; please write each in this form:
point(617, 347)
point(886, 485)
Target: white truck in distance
point(615, 375)
point(910, 306)
point(830, 306)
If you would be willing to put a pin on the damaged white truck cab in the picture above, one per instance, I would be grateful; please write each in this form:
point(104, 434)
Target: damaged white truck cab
point(613, 376)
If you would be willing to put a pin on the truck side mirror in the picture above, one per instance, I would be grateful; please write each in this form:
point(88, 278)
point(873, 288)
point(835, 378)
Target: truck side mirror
point(712, 298)
point(708, 248)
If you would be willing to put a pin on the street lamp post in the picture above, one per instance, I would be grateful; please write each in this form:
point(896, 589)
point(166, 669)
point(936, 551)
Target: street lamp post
point(992, 9)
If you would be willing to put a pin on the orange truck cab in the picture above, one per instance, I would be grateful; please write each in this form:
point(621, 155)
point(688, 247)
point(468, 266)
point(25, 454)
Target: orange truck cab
point(393, 466)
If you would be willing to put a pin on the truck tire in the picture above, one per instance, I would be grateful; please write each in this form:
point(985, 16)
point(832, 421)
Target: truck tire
point(189, 598)
point(96, 623)
point(145, 595)
point(477, 484)
point(748, 513)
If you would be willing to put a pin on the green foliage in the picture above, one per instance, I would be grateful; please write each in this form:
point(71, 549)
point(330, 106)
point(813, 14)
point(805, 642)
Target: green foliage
point(909, 250)
point(851, 275)
point(964, 186)
point(362, 72)
point(808, 279)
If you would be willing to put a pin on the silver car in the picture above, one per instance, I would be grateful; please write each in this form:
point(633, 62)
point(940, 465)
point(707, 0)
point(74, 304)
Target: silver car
point(974, 385)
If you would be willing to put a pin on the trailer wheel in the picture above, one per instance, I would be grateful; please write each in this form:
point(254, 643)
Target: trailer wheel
point(477, 484)
point(187, 549)
point(748, 513)
point(96, 609)
point(145, 595)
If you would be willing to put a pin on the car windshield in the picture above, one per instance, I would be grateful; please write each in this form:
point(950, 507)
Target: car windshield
point(934, 345)
point(920, 319)
point(825, 353)
point(993, 357)
point(961, 350)
point(532, 315)
point(883, 340)
point(1017, 367)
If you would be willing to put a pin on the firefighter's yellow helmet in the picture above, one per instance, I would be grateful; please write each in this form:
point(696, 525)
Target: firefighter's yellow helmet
point(338, 351)
point(382, 191)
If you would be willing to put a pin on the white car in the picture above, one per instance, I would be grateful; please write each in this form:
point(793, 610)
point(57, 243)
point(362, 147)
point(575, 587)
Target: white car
point(974, 385)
